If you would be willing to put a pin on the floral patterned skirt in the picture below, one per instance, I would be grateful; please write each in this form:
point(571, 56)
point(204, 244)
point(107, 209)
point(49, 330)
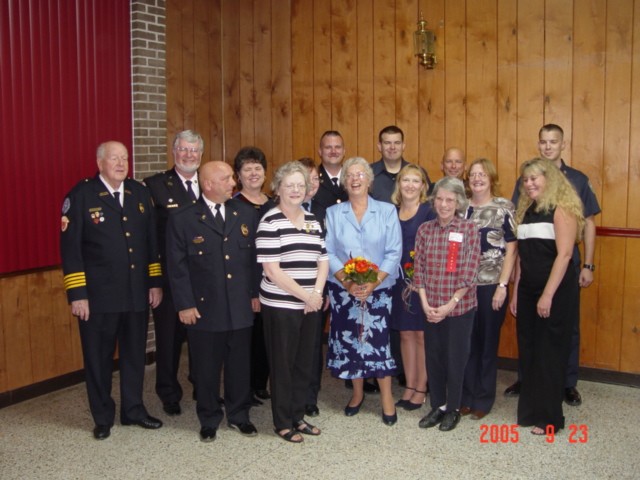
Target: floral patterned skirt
point(359, 337)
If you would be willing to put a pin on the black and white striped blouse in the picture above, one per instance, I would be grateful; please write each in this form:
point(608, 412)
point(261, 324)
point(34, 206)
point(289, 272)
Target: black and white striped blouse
point(297, 251)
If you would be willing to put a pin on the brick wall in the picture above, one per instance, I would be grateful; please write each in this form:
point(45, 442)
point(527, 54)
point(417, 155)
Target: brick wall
point(148, 52)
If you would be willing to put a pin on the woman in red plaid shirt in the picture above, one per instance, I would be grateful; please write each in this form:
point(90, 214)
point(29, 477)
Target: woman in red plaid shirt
point(446, 263)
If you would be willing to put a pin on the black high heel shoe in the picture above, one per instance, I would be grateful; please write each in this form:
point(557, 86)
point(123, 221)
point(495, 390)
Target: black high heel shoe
point(409, 405)
point(389, 420)
point(351, 411)
point(403, 403)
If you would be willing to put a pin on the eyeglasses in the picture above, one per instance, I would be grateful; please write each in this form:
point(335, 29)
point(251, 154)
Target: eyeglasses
point(478, 175)
point(353, 176)
point(290, 187)
point(193, 151)
point(314, 179)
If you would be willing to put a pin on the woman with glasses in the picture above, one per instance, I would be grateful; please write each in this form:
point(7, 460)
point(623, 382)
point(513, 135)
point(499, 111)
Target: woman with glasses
point(291, 249)
point(493, 216)
point(359, 335)
point(446, 265)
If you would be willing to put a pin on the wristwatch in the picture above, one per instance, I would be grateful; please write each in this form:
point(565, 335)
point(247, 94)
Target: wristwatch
point(591, 267)
point(502, 285)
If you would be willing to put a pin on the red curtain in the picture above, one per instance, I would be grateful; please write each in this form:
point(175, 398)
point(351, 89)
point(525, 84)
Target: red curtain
point(65, 87)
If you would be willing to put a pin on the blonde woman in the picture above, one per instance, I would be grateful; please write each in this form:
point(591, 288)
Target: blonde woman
point(549, 222)
point(407, 317)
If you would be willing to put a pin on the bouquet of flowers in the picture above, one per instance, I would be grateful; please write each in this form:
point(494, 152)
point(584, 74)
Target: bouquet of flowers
point(408, 279)
point(360, 271)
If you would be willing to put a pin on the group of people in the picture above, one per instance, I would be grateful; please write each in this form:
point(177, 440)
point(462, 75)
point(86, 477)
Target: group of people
point(413, 277)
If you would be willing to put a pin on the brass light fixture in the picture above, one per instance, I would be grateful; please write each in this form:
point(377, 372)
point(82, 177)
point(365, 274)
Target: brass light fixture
point(425, 45)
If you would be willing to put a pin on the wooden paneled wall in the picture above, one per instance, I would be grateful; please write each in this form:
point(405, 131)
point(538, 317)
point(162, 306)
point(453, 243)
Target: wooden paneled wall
point(277, 73)
point(39, 337)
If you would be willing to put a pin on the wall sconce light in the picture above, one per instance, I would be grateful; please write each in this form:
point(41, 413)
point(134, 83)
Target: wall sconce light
point(425, 45)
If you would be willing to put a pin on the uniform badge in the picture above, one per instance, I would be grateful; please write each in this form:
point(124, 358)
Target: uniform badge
point(245, 230)
point(64, 223)
point(198, 239)
point(103, 194)
point(141, 208)
point(96, 215)
point(66, 205)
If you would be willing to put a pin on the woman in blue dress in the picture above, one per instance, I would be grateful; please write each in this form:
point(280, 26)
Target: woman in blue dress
point(359, 334)
point(410, 196)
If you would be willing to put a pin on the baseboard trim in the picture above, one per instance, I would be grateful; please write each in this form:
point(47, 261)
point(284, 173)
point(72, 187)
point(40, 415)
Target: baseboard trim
point(53, 384)
point(586, 373)
point(63, 381)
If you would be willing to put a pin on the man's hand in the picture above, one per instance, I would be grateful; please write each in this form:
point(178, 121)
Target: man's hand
point(80, 309)
point(189, 316)
point(155, 297)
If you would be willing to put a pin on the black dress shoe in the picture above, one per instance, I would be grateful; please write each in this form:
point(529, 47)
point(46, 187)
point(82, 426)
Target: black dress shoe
point(371, 387)
point(246, 428)
point(572, 397)
point(389, 420)
point(172, 408)
point(262, 394)
point(207, 434)
point(147, 422)
point(351, 411)
point(100, 432)
point(513, 390)
point(367, 387)
point(449, 421)
point(311, 411)
point(433, 418)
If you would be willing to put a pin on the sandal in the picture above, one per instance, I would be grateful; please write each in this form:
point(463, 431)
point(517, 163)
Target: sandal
point(307, 428)
point(538, 431)
point(290, 435)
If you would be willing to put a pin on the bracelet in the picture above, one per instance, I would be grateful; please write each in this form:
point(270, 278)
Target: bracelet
point(456, 299)
point(319, 292)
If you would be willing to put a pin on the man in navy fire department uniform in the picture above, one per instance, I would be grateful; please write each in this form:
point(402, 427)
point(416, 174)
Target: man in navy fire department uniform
point(112, 275)
point(171, 190)
point(212, 268)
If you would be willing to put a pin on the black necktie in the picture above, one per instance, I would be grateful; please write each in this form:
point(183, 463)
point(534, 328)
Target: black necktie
point(116, 195)
point(192, 194)
point(306, 206)
point(218, 216)
point(335, 180)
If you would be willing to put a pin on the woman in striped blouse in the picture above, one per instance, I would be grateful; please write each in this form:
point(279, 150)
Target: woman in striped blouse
point(292, 252)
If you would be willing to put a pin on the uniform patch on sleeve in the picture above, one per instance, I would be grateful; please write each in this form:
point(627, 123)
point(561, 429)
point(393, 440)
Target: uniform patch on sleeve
point(66, 205)
point(64, 223)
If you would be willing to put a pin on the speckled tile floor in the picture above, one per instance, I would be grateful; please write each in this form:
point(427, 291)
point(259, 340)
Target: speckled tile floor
point(50, 438)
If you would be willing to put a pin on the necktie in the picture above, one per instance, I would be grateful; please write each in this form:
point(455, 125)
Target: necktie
point(335, 180)
point(306, 206)
point(192, 194)
point(116, 195)
point(218, 216)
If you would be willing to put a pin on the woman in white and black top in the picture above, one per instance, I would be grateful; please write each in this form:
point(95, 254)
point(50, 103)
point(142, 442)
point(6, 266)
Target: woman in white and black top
point(292, 253)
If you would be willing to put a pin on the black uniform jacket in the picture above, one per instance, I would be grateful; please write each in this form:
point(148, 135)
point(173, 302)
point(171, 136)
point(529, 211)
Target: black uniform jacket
point(214, 270)
point(168, 194)
point(109, 254)
point(328, 194)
